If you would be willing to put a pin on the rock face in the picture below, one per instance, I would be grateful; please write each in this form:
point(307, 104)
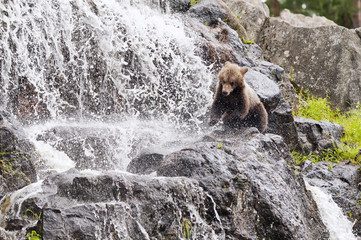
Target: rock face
point(324, 59)
point(232, 168)
point(300, 20)
point(251, 13)
point(224, 187)
point(317, 136)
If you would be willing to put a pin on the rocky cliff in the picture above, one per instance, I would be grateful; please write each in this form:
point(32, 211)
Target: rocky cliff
point(322, 56)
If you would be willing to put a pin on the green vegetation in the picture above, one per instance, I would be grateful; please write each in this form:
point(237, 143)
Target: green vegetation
point(8, 171)
point(186, 228)
point(33, 235)
point(220, 145)
point(194, 2)
point(320, 109)
point(340, 11)
point(246, 41)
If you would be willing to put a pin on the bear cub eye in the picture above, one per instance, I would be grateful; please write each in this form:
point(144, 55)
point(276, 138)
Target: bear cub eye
point(232, 83)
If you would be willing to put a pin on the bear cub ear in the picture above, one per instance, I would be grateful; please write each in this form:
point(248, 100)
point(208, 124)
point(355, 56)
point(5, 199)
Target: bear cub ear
point(227, 63)
point(243, 70)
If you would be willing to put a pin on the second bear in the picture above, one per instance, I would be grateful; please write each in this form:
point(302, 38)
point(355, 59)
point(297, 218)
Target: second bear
point(236, 102)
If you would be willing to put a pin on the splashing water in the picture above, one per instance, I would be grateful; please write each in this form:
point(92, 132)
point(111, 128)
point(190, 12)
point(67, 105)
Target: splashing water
point(332, 216)
point(100, 81)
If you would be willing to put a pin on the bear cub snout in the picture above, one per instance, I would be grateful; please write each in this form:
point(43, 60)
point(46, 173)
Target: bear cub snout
point(235, 102)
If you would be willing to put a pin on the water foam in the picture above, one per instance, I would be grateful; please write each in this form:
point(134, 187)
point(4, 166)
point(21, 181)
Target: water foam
point(339, 226)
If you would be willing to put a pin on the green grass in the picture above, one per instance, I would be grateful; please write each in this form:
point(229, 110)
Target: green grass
point(320, 109)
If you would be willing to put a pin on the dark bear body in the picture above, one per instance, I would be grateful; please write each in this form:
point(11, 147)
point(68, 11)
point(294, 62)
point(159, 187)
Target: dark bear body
point(236, 102)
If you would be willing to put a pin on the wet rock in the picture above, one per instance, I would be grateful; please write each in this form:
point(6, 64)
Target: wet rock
point(230, 185)
point(317, 136)
point(336, 48)
point(16, 161)
point(87, 147)
point(176, 5)
point(122, 206)
point(266, 89)
point(250, 179)
point(145, 164)
point(342, 181)
point(281, 122)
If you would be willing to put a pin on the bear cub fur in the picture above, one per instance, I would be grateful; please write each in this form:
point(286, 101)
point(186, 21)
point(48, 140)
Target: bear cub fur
point(236, 102)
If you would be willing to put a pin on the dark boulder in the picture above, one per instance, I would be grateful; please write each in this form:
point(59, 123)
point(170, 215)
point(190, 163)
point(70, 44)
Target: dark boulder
point(317, 136)
point(249, 178)
point(145, 163)
point(120, 206)
point(302, 44)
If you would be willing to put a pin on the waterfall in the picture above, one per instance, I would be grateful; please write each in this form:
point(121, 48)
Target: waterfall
point(332, 216)
point(100, 80)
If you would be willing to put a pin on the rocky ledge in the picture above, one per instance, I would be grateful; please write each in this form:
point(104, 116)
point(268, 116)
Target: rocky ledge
point(226, 186)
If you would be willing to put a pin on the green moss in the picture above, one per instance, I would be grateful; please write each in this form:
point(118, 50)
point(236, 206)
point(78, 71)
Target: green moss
point(8, 170)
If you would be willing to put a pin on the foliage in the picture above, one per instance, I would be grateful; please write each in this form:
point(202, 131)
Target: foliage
point(186, 228)
point(33, 235)
point(340, 11)
point(316, 108)
point(194, 2)
point(320, 109)
point(220, 145)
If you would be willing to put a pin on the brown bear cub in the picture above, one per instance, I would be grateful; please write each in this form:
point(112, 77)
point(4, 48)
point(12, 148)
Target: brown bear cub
point(236, 102)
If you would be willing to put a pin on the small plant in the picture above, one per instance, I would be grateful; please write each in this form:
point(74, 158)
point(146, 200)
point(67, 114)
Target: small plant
point(220, 145)
point(194, 2)
point(33, 235)
point(330, 167)
point(186, 228)
point(33, 215)
point(246, 41)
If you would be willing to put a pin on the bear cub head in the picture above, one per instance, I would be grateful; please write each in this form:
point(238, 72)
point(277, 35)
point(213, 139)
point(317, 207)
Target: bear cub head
point(231, 77)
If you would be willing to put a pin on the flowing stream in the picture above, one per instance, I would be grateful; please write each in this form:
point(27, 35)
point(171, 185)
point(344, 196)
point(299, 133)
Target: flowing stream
point(332, 216)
